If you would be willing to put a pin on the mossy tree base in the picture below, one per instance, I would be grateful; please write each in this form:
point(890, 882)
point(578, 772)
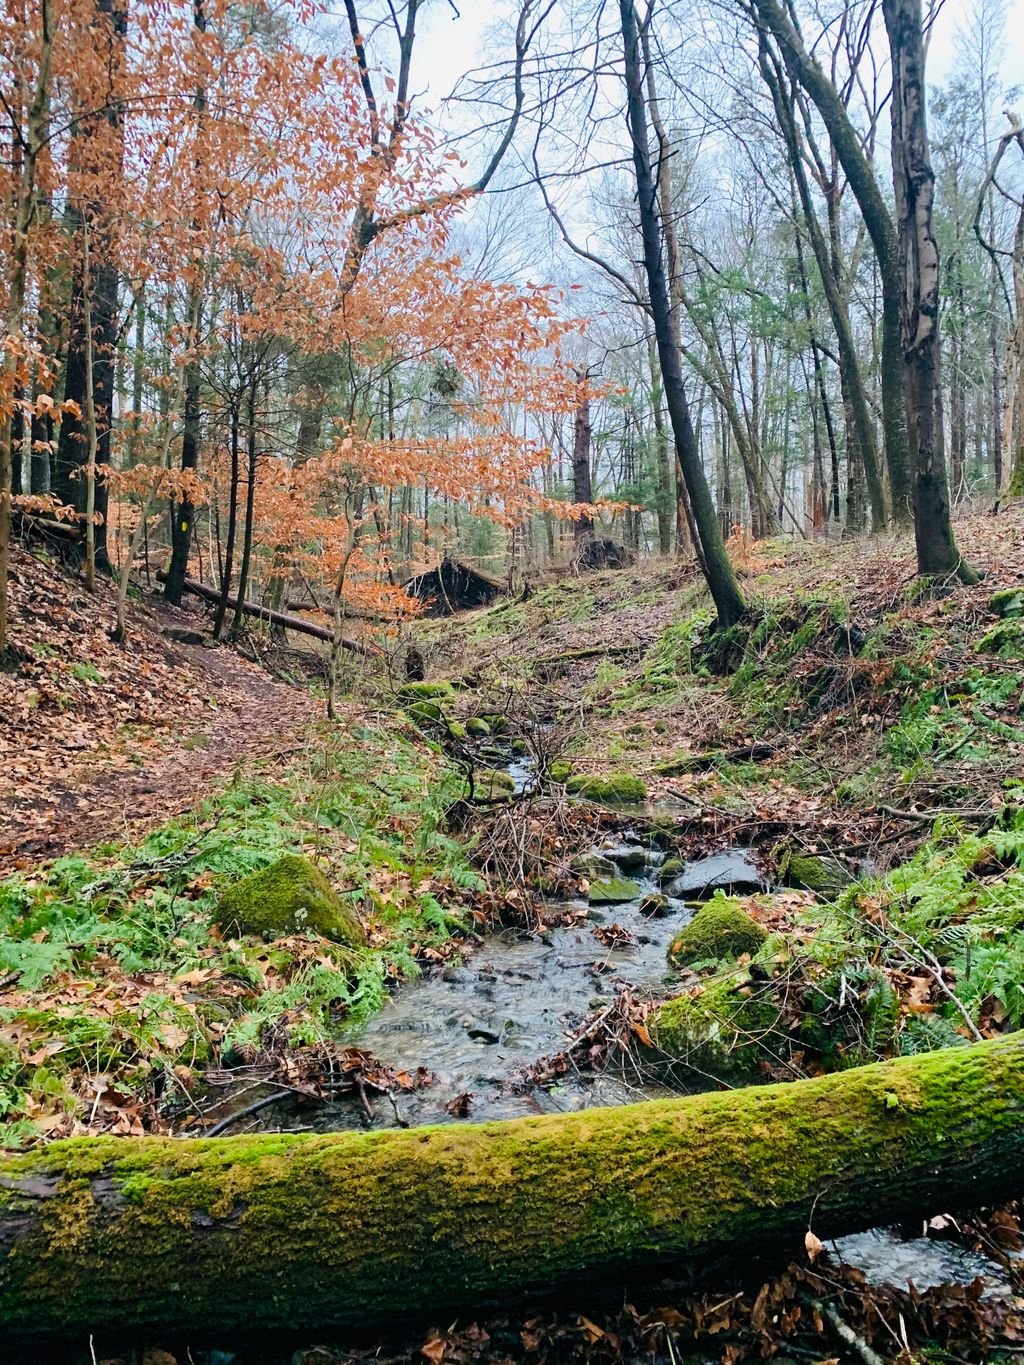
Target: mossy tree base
point(108, 1236)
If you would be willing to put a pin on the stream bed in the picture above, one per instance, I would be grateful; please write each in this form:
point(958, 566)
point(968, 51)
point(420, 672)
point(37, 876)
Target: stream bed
point(478, 1029)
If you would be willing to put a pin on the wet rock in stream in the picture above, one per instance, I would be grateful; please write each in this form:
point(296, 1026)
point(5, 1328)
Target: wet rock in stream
point(733, 871)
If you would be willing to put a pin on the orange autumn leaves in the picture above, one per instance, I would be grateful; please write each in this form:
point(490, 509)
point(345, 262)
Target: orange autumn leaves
point(227, 157)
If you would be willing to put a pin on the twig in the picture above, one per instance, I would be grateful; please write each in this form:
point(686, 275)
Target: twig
point(254, 1108)
point(849, 1337)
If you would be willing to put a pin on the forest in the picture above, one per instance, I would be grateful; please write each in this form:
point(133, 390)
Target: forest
point(511, 691)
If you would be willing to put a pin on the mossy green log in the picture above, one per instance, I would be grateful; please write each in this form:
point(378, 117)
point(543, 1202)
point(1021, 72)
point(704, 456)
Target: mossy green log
point(109, 1236)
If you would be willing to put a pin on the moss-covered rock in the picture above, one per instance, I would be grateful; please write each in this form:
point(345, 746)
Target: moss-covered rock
point(717, 1029)
point(719, 929)
point(613, 789)
point(496, 723)
point(1007, 602)
point(824, 875)
point(593, 865)
point(290, 896)
point(426, 691)
point(424, 713)
point(456, 729)
point(1006, 639)
point(477, 727)
point(492, 782)
point(670, 869)
point(655, 906)
point(560, 770)
point(613, 891)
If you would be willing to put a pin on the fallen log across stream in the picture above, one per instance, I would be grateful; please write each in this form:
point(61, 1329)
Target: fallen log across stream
point(277, 618)
point(356, 1230)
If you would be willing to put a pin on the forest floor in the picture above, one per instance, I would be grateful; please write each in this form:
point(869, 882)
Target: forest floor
point(100, 740)
point(865, 741)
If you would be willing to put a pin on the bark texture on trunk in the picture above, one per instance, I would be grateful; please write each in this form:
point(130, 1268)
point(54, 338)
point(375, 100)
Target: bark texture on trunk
point(100, 1236)
point(914, 186)
point(582, 486)
point(715, 564)
point(805, 69)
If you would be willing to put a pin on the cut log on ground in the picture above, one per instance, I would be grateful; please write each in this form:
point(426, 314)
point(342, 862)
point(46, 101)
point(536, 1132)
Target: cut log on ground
point(278, 618)
point(356, 1230)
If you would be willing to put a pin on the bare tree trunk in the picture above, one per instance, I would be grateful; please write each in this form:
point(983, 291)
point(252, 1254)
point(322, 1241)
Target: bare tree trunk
point(182, 510)
point(861, 449)
point(582, 488)
point(92, 345)
point(771, 16)
point(250, 503)
point(17, 280)
point(914, 183)
point(229, 548)
point(718, 570)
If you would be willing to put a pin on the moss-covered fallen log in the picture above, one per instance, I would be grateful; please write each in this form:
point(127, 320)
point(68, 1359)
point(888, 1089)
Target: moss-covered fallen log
point(351, 1230)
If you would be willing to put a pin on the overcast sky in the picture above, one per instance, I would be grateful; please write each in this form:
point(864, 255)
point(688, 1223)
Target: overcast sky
point(447, 46)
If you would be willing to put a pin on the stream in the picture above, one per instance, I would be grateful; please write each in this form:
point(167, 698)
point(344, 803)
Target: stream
point(479, 1028)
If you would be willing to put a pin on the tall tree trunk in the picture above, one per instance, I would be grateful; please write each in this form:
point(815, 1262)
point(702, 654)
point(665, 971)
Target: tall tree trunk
point(97, 150)
point(582, 488)
point(718, 570)
point(667, 498)
point(914, 183)
point(182, 509)
point(250, 504)
point(861, 429)
point(17, 283)
point(804, 68)
point(229, 547)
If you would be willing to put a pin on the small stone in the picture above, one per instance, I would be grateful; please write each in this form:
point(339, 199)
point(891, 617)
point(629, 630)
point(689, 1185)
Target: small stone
point(630, 857)
point(613, 891)
point(655, 907)
point(670, 869)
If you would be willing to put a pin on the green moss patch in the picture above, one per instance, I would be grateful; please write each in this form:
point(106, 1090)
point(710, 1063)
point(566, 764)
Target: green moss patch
point(720, 929)
point(426, 691)
point(719, 1029)
point(1007, 602)
point(613, 891)
point(291, 896)
point(614, 789)
point(824, 875)
point(1005, 639)
point(492, 782)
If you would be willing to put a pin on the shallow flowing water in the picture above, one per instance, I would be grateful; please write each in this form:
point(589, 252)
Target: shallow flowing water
point(480, 1026)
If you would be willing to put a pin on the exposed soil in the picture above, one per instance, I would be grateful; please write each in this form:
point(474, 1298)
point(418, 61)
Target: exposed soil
point(100, 740)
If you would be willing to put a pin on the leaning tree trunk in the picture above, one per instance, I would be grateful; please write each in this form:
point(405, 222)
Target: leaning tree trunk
point(804, 68)
point(115, 1235)
point(914, 186)
point(715, 563)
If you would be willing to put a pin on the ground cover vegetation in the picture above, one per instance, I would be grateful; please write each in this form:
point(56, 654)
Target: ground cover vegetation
point(564, 541)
